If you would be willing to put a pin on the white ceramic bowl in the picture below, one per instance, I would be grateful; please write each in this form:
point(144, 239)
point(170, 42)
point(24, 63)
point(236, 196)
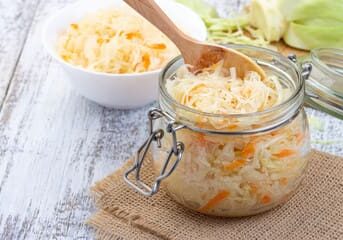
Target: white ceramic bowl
point(120, 91)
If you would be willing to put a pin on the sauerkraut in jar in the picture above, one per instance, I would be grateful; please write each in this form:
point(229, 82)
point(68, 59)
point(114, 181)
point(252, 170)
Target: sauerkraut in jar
point(231, 147)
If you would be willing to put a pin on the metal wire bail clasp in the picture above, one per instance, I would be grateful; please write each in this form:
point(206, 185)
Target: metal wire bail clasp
point(306, 67)
point(156, 135)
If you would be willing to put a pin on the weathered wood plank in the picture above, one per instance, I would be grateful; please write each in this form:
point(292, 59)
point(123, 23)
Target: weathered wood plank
point(54, 145)
point(15, 20)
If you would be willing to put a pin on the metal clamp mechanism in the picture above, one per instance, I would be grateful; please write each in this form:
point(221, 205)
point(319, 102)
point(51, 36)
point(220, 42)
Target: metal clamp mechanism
point(293, 58)
point(156, 135)
point(306, 67)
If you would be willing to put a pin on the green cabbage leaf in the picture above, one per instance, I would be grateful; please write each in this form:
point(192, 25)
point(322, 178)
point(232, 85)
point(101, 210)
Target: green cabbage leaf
point(203, 9)
point(313, 23)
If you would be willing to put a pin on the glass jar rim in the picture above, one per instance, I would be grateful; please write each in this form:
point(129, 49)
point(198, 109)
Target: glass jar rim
point(289, 100)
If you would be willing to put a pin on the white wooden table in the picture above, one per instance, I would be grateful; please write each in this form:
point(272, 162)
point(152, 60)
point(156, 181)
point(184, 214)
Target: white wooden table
point(54, 144)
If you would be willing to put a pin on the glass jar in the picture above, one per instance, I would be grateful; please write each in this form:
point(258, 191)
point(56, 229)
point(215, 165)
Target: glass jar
point(247, 164)
point(325, 86)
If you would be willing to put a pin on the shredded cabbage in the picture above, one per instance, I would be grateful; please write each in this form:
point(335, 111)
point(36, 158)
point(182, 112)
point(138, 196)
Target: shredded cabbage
point(233, 175)
point(115, 41)
point(216, 90)
point(236, 30)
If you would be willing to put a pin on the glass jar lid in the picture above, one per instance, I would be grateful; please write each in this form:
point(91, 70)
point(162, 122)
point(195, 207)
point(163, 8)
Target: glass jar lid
point(324, 88)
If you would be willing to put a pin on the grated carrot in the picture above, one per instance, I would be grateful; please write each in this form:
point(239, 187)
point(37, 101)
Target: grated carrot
point(234, 165)
point(256, 125)
point(132, 35)
point(158, 46)
point(248, 150)
point(284, 153)
point(74, 26)
point(283, 181)
point(277, 132)
point(66, 58)
point(266, 199)
point(146, 61)
point(215, 201)
point(100, 40)
point(201, 139)
point(232, 126)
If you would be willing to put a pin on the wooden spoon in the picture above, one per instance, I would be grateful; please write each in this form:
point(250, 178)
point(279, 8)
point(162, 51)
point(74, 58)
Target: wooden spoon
point(197, 54)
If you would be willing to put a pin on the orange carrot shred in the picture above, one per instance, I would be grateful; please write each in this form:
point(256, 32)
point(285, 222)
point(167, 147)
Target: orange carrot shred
point(201, 139)
point(276, 132)
point(132, 35)
point(65, 58)
point(215, 201)
point(146, 61)
point(248, 150)
point(234, 165)
point(266, 199)
point(74, 26)
point(158, 46)
point(257, 125)
point(232, 126)
point(284, 153)
point(283, 181)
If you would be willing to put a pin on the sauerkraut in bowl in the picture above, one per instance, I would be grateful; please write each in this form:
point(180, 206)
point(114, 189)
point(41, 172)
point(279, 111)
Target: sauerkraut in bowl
point(111, 56)
point(115, 40)
point(246, 141)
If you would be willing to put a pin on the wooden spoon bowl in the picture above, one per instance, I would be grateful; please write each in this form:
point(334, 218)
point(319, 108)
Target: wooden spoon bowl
point(197, 54)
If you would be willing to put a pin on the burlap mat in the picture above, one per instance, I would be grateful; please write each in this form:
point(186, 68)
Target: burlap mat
point(315, 211)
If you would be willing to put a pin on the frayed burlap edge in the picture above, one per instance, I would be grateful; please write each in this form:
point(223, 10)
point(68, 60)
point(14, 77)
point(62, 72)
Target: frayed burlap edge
point(130, 225)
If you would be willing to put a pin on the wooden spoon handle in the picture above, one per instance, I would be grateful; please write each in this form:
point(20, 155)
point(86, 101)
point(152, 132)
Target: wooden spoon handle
point(154, 14)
